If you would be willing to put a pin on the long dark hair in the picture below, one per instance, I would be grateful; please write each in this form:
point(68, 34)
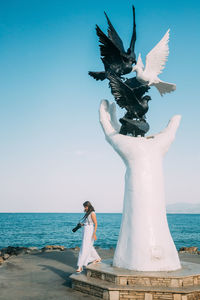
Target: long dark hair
point(90, 209)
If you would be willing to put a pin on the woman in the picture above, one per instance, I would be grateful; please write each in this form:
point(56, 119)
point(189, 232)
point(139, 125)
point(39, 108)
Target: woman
point(87, 251)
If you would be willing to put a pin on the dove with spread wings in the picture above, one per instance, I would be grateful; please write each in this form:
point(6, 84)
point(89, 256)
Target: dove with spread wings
point(113, 54)
point(155, 63)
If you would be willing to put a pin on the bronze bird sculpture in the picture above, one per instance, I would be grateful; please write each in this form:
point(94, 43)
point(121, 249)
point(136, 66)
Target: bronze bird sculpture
point(113, 54)
point(130, 95)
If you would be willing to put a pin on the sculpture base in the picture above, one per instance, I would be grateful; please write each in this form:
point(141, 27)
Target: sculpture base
point(111, 283)
point(133, 127)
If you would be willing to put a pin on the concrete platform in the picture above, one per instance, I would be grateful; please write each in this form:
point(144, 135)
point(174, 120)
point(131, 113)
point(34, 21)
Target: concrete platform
point(112, 283)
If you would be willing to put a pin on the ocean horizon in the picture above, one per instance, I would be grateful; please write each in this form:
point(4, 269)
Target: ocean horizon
point(38, 229)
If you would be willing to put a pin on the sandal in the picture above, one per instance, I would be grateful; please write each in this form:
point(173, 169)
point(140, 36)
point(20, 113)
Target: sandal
point(97, 261)
point(79, 270)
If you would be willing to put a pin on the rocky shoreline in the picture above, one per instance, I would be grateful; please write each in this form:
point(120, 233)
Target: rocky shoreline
point(6, 253)
point(9, 251)
point(191, 250)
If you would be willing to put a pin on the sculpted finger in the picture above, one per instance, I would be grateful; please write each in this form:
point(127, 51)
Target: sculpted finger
point(168, 134)
point(105, 118)
point(114, 120)
point(172, 125)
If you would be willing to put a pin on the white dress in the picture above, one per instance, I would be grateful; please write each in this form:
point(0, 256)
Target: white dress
point(87, 251)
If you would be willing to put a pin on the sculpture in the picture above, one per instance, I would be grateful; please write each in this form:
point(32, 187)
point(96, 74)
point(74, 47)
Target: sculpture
point(145, 242)
point(113, 55)
point(130, 93)
point(155, 62)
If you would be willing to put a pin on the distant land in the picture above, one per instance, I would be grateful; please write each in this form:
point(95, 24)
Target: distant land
point(183, 208)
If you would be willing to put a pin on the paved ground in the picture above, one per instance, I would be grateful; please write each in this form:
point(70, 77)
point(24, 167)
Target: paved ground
point(44, 276)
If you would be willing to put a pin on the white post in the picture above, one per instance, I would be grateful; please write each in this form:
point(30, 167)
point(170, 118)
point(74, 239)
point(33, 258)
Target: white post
point(145, 242)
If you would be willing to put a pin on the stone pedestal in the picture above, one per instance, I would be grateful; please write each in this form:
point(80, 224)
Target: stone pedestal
point(113, 283)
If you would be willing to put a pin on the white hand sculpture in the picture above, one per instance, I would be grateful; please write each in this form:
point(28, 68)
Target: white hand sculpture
point(145, 242)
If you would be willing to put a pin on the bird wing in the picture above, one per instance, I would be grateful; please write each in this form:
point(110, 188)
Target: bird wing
point(139, 61)
point(139, 88)
point(107, 48)
point(113, 35)
point(157, 57)
point(97, 75)
point(133, 39)
point(123, 93)
point(165, 87)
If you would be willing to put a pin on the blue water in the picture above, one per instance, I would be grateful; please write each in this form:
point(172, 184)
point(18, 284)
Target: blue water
point(40, 229)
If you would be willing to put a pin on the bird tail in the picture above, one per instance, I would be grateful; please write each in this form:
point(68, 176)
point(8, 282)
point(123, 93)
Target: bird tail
point(165, 87)
point(97, 75)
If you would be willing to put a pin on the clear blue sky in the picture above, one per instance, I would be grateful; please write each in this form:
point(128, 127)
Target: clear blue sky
point(53, 153)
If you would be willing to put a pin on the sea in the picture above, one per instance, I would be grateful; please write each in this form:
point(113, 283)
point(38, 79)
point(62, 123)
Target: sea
point(40, 229)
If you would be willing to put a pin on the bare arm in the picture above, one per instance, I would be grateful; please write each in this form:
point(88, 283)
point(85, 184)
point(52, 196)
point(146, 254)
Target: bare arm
point(94, 219)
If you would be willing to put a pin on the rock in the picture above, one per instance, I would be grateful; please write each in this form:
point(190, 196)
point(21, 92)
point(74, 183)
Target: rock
point(76, 248)
point(53, 247)
point(27, 251)
point(3, 251)
point(21, 250)
point(33, 248)
point(6, 256)
point(46, 249)
point(1, 260)
point(13, 250)
point(188, 250)
point(58, 247)
point(6, 250)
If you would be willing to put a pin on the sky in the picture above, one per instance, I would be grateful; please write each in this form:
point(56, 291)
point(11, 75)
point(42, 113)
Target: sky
point(53, 153)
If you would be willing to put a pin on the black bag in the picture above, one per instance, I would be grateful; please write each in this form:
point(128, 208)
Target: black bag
point(77, 227)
